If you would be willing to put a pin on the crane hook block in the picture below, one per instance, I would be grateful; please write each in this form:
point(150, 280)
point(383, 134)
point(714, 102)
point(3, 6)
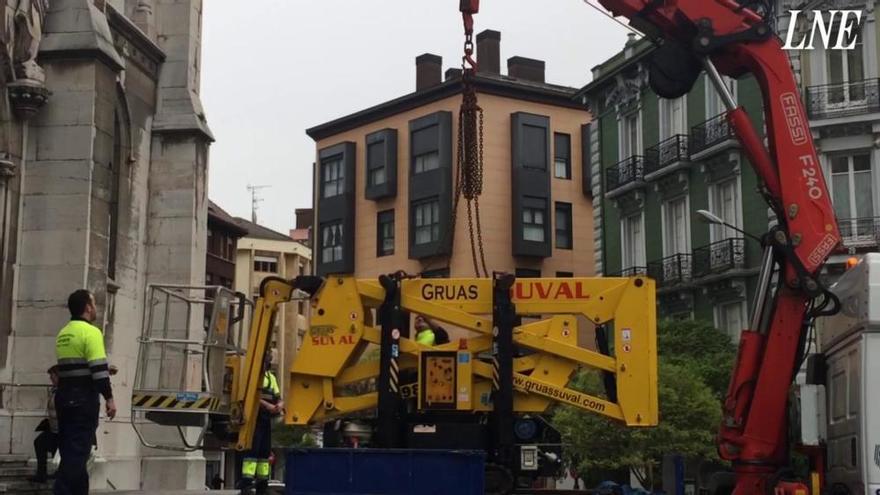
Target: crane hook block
point(469, 6)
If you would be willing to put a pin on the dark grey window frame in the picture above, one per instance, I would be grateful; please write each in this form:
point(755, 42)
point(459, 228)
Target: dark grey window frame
point(435, 183)
point(564, 153)
point(438, 223)
point(527, 273)
point(529, 182)
point(382, 220)
point(338, 208)
point(569, 227)
point(340, 244)
point(339, 181)
point(387, 140)
point(437, 273)
point(535, 205)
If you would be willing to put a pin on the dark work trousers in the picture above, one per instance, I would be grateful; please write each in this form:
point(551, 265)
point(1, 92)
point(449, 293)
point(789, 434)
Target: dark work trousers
point(255, 463)
point(45, 445)
point(77, 425)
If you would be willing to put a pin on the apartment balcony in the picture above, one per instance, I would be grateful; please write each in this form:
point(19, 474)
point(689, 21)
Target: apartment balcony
point(859, 232)
point(711, 136)
point(719, 257)
point(671, 270)
point(625, 176)
point(847, 99)
point(667, 156)
point(629, 272)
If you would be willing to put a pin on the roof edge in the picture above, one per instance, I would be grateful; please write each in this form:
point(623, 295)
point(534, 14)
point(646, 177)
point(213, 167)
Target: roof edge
point(562, 96)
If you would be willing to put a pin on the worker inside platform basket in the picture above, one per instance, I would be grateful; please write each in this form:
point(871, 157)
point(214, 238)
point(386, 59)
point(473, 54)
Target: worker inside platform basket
point(430, 333)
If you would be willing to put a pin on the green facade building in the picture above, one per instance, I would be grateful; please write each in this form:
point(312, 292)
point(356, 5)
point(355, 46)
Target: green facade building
point(654, 163)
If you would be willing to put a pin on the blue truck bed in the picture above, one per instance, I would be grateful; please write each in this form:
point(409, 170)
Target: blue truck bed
point(383, 471)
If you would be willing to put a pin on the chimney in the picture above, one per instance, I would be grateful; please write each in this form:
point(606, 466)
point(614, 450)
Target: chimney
point(489, 52)
point(453, 73)
point(429, 71)
point(526, 68)
point(305, 217)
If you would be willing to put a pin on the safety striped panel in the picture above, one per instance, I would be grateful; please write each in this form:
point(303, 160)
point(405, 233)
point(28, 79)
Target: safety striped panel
point(179, 401)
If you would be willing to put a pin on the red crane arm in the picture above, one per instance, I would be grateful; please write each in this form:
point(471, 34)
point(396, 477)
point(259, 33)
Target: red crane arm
point(753, 433)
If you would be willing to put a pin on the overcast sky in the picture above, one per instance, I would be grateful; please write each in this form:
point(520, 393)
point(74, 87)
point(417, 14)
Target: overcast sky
point(277, 67)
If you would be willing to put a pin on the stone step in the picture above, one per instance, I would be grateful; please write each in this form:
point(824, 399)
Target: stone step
point(12, 459)
point(16, 472)
point(22, 487)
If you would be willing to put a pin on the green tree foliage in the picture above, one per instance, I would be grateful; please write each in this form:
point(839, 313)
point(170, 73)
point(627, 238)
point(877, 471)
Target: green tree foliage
point(287, 436)
point(695, 361)
point(699, 346)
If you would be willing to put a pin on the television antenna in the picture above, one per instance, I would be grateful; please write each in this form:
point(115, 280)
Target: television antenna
point(255, 199)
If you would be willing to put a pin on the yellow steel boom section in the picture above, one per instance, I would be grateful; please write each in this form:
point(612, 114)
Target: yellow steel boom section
point(343, 326)
point(245, 398)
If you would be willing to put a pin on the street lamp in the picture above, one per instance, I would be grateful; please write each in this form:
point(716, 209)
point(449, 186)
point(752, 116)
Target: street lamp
point(711, 218)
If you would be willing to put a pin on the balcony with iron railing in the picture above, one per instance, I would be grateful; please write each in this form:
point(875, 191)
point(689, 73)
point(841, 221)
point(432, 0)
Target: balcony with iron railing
point(711, 135)
point(625, 175)
point(629, 272)
point(859, 232)
point(671, 270)
point(666, 156)
point(843, 99)
point(719, 257)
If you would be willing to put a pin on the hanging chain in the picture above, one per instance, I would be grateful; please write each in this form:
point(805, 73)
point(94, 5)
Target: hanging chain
point(470, 143)
point(469, 156)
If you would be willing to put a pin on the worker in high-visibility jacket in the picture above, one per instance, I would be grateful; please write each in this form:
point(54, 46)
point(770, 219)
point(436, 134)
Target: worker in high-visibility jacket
point(429, 333)
point(83, 375)
point(255, 466)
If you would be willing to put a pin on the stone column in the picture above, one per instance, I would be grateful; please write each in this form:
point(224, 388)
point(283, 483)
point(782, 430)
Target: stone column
point(59, 209)
point(178, 198)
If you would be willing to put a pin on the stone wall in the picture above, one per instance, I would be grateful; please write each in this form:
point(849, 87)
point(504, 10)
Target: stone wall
point(113, 198)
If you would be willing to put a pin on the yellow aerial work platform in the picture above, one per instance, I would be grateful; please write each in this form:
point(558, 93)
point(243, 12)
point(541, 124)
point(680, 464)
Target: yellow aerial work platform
point(517, 344)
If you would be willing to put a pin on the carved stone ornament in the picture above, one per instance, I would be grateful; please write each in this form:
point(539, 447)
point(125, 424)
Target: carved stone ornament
point(28, 32)
point(7, 168)
point(626, 91)
point(27, 97)
point(27, 89)
point(630, 202)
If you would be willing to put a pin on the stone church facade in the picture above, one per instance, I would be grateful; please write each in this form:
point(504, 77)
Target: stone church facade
point(103, 176)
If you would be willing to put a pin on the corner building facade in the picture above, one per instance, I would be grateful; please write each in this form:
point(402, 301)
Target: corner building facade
point(384, 178)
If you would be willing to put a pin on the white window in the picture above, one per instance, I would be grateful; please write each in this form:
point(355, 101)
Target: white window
point(673, 117)
point(266, 264)
point(630, 135)
point(724, 201)
point(426, 161)
point(852, 193)
point(676, 227)
point(333, 177)
point(534, 216)
point(376, 175)
point(846, 68)
point(714, 103)
point(731, 318)
point(426, 217)
point(632, 239)
point(331, 242)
